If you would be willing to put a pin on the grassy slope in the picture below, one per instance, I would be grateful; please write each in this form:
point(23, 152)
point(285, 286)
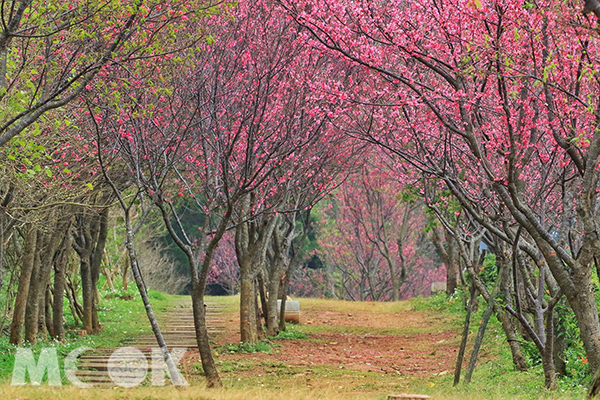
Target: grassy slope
point(494, 377)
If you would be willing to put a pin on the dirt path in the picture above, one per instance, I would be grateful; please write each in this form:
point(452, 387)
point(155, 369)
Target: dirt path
point(357, 348)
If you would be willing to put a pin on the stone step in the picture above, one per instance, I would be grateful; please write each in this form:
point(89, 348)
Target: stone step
point(115, 357)
point(179, 332)
point(188, 318)
point(103, 366)
point(102, 380)
point(104, 373)
point(171, 335)
point(187, 345)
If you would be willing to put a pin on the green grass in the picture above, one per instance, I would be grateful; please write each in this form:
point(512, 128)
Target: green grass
point(291, 333)
point(233, 366)
point(438, 302)
point(264, 346)
point(494, 376)
point(344, 306)
point(497, 379)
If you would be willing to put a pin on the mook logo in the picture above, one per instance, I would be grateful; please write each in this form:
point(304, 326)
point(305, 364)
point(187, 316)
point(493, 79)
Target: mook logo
point(127, 367)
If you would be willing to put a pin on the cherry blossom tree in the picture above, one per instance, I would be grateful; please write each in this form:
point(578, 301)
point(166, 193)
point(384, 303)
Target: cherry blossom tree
point(51, 52)
point(499, 93)
point(376, 238)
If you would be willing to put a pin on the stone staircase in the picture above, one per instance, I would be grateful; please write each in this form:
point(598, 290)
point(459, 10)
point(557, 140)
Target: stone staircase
point(177, 326)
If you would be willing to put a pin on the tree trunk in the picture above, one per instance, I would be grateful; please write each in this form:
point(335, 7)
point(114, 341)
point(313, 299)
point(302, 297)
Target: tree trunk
point(507, 320)
point(59, 289)
point(87, 294)
point(208, 363)
point(198, 279)
point(33, 303)
point(88, 226)
point(583, 304)
point(465, 335)
point(548, 354)
point(172, 368)
point(510, 331)
point(247, 306)
point(124, 272)
point(48, 312)
point(27, 262)
point(272, 323)
point(479, 339)
point(47, 262)
point(283, 296)
point(285, 287)
point(260, 333)
point(451, 277)
point(549, 371)
point(449, 256)
point(262, 295)
point(76, 309)
point(96, 262)
point(559, 346)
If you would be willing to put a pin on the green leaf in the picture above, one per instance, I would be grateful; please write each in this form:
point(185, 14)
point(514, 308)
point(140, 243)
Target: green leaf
point(90, 186)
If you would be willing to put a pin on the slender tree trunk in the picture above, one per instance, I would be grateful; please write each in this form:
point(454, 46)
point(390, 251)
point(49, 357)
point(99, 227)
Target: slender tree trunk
point(87, 294)
point(95, 299)
point(124, 271)
point(583, 304)
point(109, 279)
point(96, 262)
point(559, 347)
point(57, 306)
point(59, 288)
point(271, 306)
point(27, 262)
point(2, 231)
point(172, 368)
point(549, 371)
point(47, 262)
point(76, 309)
point(479, 339)
point(507, 320)
point(450, 258)
point(248, 330)
point(465, 335)
point(48, 312)
point(451, 277)
point(510, 331)
point(283, 296)
point(208, 364)
point(396, 280)
point(262, 295)
point(260, 333)
point(198, 279)
point(548, 354)
point(33, 303)
point(285, 287)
